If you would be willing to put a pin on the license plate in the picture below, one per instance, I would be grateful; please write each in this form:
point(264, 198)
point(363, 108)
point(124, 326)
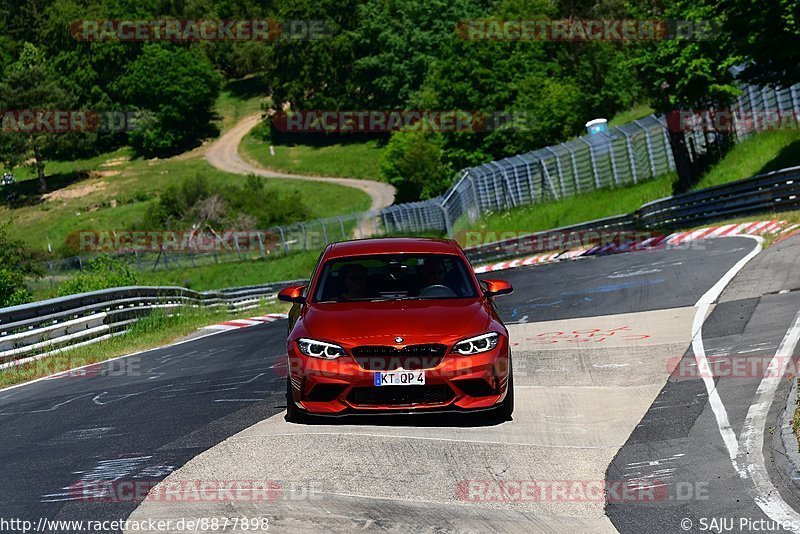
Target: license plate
point(400, 378)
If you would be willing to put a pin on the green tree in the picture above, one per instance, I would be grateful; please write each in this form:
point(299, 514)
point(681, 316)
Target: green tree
point(413, 163)
point(179, 88)
point(12, 288)
point(765, 34)
point(316, 73)
point(30, 84)
point(17, 256)
point(685, 74)
point(398, 40)
point(16, 262)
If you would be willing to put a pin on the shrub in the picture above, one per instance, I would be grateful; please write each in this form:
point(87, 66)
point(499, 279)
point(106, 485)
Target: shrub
point(12, 289)
point(413, 163)
point(103, 272)
point(196, 203)
point(179, 103)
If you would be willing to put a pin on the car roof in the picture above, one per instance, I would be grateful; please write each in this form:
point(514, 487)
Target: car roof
point(392, 245)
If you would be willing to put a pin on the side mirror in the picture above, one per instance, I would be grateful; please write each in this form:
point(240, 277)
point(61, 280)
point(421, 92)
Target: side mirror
point(292, 294)
point(497, 287)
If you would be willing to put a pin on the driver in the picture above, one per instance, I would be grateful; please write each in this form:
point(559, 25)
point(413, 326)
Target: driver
point(355, 282)
point(433, 272)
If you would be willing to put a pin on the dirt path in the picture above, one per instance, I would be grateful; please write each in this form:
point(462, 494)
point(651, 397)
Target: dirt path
point(224, 155)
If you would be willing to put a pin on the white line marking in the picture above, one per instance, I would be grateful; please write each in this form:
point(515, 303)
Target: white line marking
point(705, 302)
point(766, 494)
point(245, 322)
point(221, 327)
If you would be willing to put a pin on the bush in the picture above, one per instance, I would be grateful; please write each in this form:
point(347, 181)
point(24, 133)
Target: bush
point(16, 256)
point(179, 103)
point(12, 289)
point(413, 163)
point(103, 272)
point(195, 203)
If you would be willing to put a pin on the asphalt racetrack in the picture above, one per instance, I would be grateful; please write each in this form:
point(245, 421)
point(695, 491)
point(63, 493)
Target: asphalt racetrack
point(599, 348)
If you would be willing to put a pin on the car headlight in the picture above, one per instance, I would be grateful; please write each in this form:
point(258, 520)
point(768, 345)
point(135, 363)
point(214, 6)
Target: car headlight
point(319, 349)
point(477, 344)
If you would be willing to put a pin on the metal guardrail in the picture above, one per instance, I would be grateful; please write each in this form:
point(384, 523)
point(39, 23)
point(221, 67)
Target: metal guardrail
point(42, 328)
point(531, 242)
point(36, 330)
point(627, 154)
point(772, 192)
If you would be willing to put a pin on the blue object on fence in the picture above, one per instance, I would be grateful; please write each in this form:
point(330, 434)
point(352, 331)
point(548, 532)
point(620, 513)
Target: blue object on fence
point(596, 126)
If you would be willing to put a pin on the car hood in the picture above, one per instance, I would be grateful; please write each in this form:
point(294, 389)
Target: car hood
point(416, 321)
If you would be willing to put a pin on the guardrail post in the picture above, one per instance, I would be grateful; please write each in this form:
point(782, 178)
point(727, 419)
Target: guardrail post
point(546, 178)
point(668, 151)
point(631, 157)
point(284, 246)
point(649, 144)
point(475, 199)
point(575, 176)
point(597, 182)
point(260, 244)
point(385, 222)
point(236, 244)
point(531, 184)
point(447, 228)
point(611, 156)
point(305, 237)
point(558, 169)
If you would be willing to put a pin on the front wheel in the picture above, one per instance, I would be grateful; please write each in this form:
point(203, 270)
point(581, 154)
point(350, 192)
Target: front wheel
point(293, 413)
point(506, 408)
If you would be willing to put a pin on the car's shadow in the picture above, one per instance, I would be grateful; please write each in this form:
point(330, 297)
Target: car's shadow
point(463, 420)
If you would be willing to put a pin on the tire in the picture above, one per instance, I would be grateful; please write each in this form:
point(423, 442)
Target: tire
point(293, 413)
point(506, 408)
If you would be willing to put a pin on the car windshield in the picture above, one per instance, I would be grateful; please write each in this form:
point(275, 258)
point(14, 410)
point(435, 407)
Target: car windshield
point(403, 277)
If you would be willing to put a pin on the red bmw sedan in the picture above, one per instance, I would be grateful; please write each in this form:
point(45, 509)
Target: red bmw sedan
point(396, 325)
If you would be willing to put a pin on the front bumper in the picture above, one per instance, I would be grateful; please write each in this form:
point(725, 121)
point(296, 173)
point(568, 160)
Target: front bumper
point(456, 383)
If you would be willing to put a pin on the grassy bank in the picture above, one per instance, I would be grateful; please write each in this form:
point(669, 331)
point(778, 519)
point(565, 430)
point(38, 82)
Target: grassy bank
point(760, 153)
point(150, 332)
point(210, 276)
point(239, 99)
point(115, 191)
point(349, 160)
point(577, 209)
point(216, 276)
